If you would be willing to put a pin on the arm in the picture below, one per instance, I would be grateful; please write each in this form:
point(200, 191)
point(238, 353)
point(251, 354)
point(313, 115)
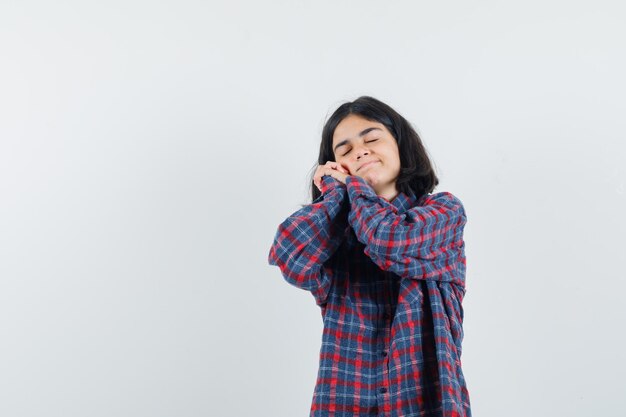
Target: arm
point(424, 242)
point(309, 237)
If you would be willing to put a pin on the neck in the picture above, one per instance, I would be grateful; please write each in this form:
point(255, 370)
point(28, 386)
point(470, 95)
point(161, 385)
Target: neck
point(388, 193)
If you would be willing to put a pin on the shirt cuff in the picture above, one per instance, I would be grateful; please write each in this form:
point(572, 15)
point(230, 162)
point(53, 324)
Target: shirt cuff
point(328, 183)
point(358, 186)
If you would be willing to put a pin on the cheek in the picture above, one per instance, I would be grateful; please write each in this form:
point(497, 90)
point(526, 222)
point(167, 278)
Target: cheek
point(393, 157)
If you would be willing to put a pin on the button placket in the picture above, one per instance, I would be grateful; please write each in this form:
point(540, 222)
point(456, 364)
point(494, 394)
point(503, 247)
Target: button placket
point(384, 351)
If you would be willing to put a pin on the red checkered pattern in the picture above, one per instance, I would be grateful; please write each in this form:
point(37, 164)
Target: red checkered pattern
point(389, 277)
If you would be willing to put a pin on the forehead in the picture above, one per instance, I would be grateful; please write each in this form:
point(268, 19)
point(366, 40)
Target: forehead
point(352, 126)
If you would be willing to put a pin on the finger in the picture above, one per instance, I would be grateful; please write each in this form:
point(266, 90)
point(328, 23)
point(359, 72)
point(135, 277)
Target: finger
point(340, 168)
point(331, 164)
point(317, 178)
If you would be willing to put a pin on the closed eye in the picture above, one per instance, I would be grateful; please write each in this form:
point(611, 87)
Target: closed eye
point(373, 140)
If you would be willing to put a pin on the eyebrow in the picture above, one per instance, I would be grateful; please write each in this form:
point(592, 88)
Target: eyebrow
point(363, 133)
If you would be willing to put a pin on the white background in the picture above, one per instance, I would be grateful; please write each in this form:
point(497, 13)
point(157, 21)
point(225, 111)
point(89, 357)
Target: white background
point(149, 150)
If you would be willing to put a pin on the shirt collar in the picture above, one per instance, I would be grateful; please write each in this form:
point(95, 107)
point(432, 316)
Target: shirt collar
point(402, 202)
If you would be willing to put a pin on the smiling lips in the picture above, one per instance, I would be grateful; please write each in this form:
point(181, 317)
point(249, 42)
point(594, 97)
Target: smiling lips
point(366, 164)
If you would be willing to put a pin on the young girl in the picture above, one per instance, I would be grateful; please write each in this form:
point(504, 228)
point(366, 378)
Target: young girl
point(385, 261)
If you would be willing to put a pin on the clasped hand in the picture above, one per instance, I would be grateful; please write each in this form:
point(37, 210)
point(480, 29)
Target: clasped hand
point(334, 169)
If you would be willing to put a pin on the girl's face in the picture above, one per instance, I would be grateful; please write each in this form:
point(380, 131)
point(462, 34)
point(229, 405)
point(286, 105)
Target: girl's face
point(367, 149)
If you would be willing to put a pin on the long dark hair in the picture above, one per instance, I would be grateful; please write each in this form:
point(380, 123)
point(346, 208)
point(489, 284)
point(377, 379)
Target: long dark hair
point(416, 176)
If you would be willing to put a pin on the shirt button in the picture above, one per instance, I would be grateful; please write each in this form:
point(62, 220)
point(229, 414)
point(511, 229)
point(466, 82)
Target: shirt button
point(384, 353)
point(382, 390)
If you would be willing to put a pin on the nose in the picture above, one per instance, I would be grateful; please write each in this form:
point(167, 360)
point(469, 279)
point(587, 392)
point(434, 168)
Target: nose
point(361, 152)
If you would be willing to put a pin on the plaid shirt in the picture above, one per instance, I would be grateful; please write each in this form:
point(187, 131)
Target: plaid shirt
point(389, 277)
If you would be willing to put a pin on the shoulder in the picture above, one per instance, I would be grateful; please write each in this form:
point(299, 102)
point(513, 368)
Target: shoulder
point(442, 197)
point(443, 201)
